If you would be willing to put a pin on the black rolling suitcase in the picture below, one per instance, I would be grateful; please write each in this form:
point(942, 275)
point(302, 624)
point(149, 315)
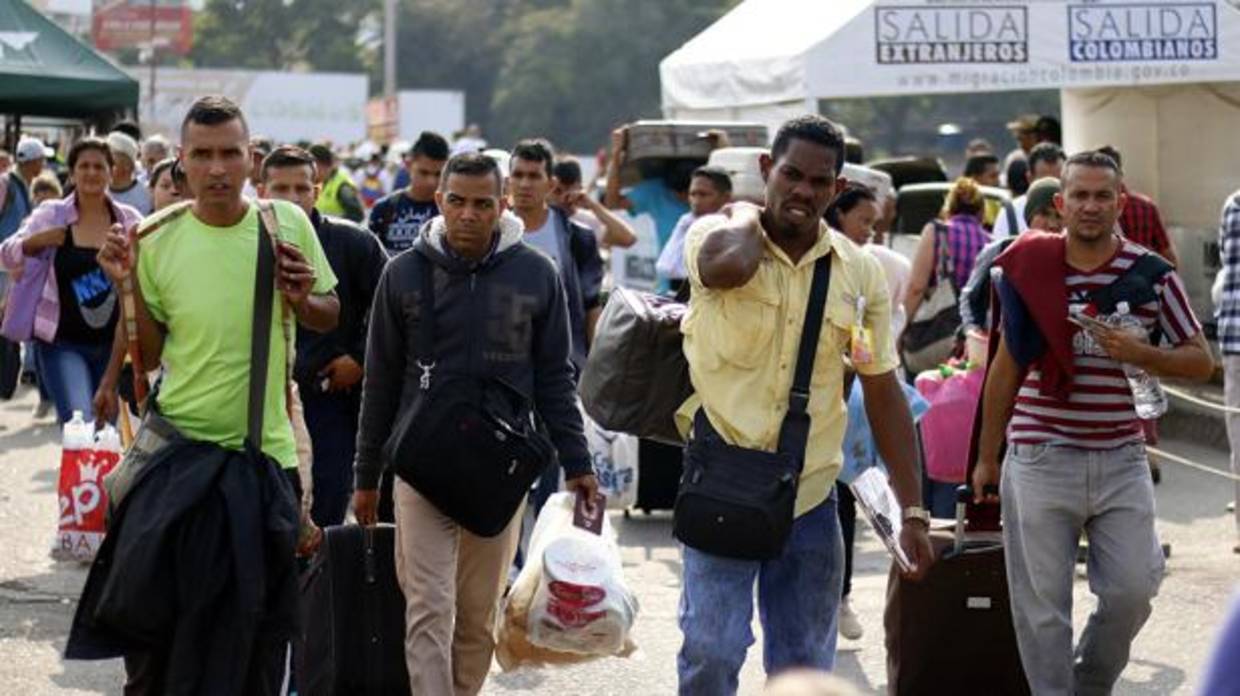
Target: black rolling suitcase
point(353, 617)
point(952, 632)
point(658, 475)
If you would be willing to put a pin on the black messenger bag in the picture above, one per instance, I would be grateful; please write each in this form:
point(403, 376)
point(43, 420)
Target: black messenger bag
point(471, 445)
point(738, 502)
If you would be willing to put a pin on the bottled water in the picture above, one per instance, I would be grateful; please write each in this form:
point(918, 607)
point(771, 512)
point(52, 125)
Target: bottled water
point(108, 439)
point(1148, 396)
point(78, 434)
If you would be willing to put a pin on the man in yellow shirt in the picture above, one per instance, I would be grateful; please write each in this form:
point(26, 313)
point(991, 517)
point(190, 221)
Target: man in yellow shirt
point(751, 283)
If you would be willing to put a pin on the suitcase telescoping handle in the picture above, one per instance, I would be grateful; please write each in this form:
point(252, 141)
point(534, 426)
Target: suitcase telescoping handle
point(368, 554)
point(971, 517)
point(963, 494)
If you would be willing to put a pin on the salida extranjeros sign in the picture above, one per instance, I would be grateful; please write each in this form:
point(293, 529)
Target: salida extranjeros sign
point(1027, 45)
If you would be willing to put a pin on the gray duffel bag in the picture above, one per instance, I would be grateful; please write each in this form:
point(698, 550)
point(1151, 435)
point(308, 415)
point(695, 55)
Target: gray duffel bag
point(636, 376)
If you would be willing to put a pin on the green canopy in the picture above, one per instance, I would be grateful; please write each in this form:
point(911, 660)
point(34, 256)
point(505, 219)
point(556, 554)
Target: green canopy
point(45, 71)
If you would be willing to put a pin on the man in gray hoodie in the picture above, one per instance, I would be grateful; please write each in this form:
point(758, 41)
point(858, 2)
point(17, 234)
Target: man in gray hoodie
point(500, 311)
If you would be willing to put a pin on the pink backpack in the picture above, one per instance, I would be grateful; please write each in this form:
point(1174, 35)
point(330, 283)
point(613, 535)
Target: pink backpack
point(946, 427)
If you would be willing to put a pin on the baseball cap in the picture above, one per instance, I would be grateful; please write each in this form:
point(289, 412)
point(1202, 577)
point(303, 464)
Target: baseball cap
point(121, 144)
point(30, 149)
point(1023, 124)
point(1040, 196)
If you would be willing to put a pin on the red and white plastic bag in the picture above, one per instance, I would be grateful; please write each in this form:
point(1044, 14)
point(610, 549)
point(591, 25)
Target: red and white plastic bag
point(570, 603)
point(85, 459)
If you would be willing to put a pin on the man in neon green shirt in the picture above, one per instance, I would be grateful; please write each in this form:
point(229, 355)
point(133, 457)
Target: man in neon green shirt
point(194, 294)
point(196, 267)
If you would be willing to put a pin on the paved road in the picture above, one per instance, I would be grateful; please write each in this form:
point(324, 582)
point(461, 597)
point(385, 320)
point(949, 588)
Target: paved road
point(37, 595)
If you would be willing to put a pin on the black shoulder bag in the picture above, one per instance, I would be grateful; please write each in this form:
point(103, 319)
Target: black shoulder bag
point(738, 502)
point(472, 445)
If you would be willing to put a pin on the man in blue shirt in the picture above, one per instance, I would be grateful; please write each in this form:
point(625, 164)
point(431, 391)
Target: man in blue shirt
point(665, 198)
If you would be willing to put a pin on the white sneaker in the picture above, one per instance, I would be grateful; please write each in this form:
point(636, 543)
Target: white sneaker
point(850, 625)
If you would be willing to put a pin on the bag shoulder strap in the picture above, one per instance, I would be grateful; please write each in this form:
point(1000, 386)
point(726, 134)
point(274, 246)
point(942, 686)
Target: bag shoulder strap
point(424, 338)
point(945, 266)
point(1141, 276)
point(1009, 211)
point(794, 433)
point(260, 342)
point(1135, 285)
point(798, 398)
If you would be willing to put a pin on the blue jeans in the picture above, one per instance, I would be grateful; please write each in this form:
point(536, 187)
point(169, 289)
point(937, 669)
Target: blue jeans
point(332, 422)
point(72, 373)
point(798, 600)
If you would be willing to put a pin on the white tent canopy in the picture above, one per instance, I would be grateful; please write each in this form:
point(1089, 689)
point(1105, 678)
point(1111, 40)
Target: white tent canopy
point(1159, 79)
point(765, 55)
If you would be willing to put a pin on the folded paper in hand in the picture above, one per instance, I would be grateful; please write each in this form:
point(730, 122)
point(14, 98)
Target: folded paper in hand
point(881, 509)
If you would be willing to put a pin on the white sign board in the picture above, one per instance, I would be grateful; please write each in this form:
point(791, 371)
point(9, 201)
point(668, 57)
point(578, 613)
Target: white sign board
point(634, 268)
point(439, 111)
point(286, 107)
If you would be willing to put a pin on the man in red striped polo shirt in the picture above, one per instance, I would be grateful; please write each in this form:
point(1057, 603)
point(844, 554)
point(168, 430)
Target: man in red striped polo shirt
point(1075, 459)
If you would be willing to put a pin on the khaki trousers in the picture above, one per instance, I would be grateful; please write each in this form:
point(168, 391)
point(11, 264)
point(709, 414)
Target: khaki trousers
point(452, 581)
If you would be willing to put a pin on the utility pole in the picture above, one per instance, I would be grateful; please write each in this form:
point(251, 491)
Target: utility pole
point(151, 97)
point(389, 49)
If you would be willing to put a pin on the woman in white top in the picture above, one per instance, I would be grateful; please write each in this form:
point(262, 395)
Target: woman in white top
point(854, 212)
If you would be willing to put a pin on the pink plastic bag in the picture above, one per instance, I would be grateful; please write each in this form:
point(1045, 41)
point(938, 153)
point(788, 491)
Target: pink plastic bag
point(948, 426)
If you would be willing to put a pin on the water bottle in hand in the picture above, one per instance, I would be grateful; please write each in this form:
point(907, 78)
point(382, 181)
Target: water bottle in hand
point(78, 434)
point(1147, 394)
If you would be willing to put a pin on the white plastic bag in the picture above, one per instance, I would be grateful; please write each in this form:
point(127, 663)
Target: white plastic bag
point(569, 603)
point(615, 463)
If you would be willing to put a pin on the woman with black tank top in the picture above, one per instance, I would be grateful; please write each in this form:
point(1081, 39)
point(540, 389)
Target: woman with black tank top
point(74, 360)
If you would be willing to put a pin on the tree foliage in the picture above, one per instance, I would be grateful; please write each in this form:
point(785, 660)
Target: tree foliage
point(565, 69)
point(577, 69)
point(281, 34)
point(569, 70)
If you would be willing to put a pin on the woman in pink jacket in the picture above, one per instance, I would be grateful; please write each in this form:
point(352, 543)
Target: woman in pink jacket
point(69, 306)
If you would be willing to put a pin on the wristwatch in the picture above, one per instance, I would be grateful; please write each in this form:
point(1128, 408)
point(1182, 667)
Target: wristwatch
point(916, 513)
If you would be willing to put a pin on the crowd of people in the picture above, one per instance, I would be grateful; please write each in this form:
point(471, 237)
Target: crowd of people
point(149, 253)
